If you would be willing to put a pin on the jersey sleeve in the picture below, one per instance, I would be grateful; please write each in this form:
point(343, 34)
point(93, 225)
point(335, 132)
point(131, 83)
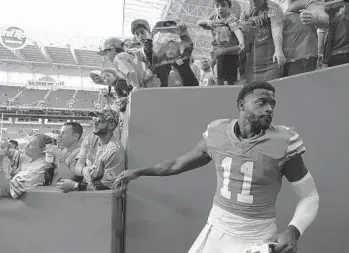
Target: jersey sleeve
point(207, 134)
point(295, 145)
point(212, 125)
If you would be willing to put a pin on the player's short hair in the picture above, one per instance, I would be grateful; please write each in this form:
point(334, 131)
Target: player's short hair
point(14, 142)
point(249, 88)
point(219, 1)
point(76, 127)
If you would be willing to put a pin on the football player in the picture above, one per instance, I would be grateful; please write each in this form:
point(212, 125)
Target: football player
point(251, 157)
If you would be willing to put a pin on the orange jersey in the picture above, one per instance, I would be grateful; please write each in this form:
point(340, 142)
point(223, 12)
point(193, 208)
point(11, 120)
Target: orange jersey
point(249, 172)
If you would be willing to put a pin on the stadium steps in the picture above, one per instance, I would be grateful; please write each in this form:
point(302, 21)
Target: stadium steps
point(18, 95)
point(88, 59)
point(47, 95)
point(60, 56)
point(7, 54)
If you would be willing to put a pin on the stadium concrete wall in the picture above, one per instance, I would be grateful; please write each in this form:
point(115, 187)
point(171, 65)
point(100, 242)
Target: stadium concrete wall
point(167, 214)
point(47, 221)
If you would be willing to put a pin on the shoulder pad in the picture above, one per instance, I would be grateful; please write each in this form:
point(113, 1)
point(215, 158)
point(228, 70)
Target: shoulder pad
point(217, 122)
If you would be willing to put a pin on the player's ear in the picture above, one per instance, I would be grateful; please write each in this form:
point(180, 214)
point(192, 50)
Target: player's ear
point(241, 105)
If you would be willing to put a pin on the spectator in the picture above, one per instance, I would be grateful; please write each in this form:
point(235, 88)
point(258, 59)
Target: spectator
point(207, 76)
point(195, 68)
point(69, 138)
point(34, 170)
point(265, 56)
point(165, 50)
point(12, 160)
point(96, 77)
point(337, 42)
point(101, 157)
point(302, 19)
point(228, 40)
point(140, 28)
point(129, 67)
point(14, 144)
point(120, 86)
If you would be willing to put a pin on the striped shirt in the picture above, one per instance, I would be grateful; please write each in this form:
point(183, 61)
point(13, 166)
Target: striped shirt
point(107, 160)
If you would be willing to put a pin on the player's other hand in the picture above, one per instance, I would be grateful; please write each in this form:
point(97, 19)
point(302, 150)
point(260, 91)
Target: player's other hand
point(286, 241)
point(307, 17)
point(279, 57)
point(66, 185)
point(210, 23)
point(125, 177)
point(87, 173)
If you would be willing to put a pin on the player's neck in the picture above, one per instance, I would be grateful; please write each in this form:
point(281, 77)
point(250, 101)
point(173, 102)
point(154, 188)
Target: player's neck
point(243, 129)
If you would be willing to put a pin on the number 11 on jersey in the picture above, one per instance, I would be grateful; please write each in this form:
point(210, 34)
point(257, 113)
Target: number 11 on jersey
point(247, 170)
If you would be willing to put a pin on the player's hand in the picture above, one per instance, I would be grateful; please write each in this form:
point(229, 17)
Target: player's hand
point(179, 62)
point(210, 23)
point(125, 177)
point(66, 185)
point(57, 152)
point(307, 18)
point(286, 241)
point(279, 57)
point(258, 21)
point(320, 61)
point(182, 26)
point(87, 173)
point(242, 48)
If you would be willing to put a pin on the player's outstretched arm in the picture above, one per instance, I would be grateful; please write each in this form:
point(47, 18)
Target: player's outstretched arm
point(195, 158)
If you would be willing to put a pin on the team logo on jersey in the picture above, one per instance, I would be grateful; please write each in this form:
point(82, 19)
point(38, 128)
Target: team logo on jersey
point(239, 147)
point(13, 38)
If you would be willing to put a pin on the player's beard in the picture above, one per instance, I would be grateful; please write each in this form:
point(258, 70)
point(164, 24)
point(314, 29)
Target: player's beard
point(101, 131)
point(259, 122)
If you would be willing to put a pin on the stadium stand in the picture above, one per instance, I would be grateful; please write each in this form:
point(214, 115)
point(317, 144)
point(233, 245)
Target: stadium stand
point(59, 98)
point(32, 53)
point(8, 93)
point(59, 55)
point(7, 54)
point(29, 96)
point(85, 99)
point(91, 60)
point(88, 58)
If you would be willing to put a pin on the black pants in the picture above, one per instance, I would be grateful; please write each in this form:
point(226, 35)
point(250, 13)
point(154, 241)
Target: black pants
point(300, 66)
point(227, 69)
point(338, 59)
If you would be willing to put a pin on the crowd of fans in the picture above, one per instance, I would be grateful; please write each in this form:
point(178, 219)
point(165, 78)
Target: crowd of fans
point(70, 164)
point(261, 43)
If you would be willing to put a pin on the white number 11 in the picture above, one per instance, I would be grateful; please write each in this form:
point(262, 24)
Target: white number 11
point(247, 170)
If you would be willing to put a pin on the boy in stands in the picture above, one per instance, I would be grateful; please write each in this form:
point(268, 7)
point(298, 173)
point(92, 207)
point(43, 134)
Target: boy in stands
point(228, 40)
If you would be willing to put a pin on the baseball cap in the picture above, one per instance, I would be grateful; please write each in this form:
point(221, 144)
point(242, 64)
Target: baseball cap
point(105, 115)
point(109, 44)
point(139, 22)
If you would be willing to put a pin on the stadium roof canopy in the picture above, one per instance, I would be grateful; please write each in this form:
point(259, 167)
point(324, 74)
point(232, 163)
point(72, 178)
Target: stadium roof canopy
point(150, 10)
